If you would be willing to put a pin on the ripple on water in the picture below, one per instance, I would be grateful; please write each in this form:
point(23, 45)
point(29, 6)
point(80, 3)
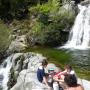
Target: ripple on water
point(80, 58)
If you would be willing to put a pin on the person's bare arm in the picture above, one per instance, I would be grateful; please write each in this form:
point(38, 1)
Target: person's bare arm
point(64, 72)
point(59, 80)
point(45, 80)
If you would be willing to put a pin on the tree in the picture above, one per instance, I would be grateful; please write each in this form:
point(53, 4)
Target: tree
point(10, 9)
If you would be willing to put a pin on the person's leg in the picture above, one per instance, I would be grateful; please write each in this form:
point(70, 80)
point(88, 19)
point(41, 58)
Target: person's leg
point(55, 86)
point(62, 85)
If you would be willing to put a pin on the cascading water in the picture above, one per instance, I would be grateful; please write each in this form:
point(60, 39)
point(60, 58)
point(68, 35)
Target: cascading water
point(79, 37)
point(4, 73)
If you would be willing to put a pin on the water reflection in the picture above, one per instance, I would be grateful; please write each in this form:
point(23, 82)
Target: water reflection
point(80, 58)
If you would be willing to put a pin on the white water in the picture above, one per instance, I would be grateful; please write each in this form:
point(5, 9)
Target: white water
point(79, 37)
point(4, 73)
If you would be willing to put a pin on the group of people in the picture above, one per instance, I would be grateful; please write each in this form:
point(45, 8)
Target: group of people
point(68, 77)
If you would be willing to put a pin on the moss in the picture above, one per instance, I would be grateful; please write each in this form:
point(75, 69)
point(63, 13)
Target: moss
point(83, 74)
point(4, 37)
point(44, 8)
point(60, 58)
point(53, 55)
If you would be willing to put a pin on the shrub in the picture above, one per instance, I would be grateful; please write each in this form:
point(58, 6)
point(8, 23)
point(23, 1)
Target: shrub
point(48, 28)
point(49, 36)
point(51, 20)
point(4, 38)
point(44, 8)
point(63, 18)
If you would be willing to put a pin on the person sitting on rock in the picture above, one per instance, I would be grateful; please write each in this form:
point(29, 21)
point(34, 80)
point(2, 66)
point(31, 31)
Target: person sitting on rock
point(60, 75)
point(71, 82)
point(41, 75)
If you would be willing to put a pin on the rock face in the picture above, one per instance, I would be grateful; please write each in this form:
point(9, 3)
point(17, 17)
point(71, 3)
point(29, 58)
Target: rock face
point(18, 44)
point(72, 7)
point(27, 79)
point(84, 83)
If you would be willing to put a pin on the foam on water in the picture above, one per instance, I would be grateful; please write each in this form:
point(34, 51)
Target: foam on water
point(4, 73)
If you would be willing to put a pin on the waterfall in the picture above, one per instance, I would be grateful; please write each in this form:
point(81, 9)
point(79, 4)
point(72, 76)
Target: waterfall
point(4, 73)
point(79, 37)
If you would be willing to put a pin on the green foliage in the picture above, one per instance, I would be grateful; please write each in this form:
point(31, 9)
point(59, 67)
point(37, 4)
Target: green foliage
point(64, 18)
point(83, 73)
point(43, 18)
point(49, 25)
point(49, 36)
point(56, 3)
point(4, 37)
point(10, 9)
point(46, 22)
point(44, 8)
point(23, 26)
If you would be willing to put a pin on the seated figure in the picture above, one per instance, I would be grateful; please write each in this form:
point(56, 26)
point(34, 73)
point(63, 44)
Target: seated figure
point(60, 75)
point(41, 75)
point(71, 82)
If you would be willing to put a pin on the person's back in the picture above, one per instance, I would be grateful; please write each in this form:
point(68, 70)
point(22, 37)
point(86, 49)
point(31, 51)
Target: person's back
point(78, 87)
point(41, 72)
point(41, 75)
point(71, 82)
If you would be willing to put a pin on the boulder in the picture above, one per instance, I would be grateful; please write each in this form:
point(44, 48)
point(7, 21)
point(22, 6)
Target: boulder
point(27, 78)
point(84, 83)
point(18, 44)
